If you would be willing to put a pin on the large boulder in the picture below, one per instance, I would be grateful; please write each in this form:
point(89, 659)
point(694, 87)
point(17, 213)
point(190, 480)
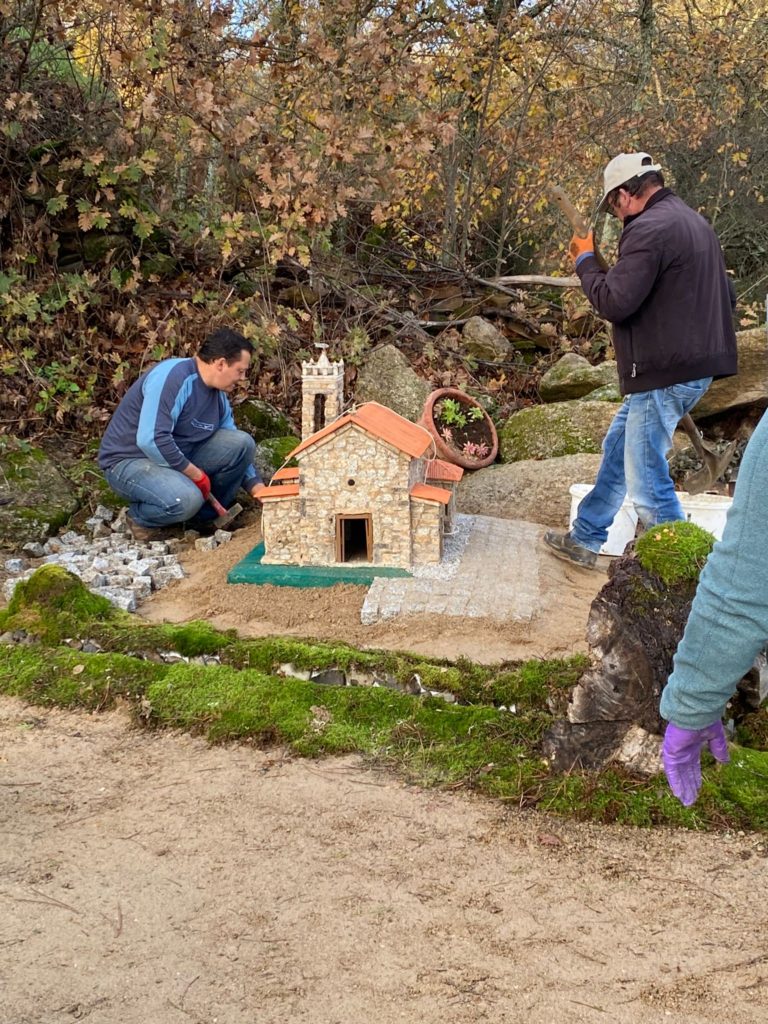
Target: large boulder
point(536, 491)
point(549, 431)
point(484, 341)
point(260, 419)
point(387, 378)
point(35, 498)
point(749, 386)
point(573, 376)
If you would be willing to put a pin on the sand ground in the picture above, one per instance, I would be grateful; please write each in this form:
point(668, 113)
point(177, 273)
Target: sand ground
point(146, 878)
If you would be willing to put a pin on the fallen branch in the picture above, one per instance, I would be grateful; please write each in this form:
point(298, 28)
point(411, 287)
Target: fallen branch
point(526, 279)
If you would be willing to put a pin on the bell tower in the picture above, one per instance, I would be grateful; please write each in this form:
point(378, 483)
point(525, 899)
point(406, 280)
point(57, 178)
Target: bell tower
point(322, 392)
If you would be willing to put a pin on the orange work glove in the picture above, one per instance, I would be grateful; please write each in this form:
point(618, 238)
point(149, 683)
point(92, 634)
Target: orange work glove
point(582, 246)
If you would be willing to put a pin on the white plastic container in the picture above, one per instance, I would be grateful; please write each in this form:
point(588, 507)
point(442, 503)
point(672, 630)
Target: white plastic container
point(622, 528)
point(706, 510)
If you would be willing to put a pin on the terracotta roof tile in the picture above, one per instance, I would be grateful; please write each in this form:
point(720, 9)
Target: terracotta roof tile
point(425, 492)
point(285, 474)
point(439, 469)
point(265, 493)
point(389, 426)
point(380, 422)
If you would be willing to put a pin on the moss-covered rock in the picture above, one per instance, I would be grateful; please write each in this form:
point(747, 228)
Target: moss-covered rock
point(52, 603)
point(272, 453)
point(261, 420)
point(607, 393)
point(90, 486)
point(573, 376)
point(675, 552)
point(549, 431)
point(39, 498)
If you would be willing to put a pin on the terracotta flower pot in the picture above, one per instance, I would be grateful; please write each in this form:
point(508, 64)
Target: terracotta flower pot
point(483, 428)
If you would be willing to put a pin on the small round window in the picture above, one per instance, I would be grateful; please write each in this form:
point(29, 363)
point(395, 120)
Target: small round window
point(350, 482)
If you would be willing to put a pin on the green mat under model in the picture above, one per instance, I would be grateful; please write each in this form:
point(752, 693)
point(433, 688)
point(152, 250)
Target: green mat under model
point(251, 570)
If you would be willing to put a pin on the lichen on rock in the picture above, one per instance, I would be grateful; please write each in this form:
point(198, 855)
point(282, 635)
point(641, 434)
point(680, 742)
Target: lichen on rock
point(550, 431)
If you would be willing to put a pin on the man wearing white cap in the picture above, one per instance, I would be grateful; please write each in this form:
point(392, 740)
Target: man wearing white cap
point(671, 303)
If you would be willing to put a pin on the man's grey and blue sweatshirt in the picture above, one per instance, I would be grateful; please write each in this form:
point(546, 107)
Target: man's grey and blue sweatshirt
point(165, 415)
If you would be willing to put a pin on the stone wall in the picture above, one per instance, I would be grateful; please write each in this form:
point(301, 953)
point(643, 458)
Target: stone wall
point(355, 474)
point(326, 379)
point(280, 524)
point(427, 531)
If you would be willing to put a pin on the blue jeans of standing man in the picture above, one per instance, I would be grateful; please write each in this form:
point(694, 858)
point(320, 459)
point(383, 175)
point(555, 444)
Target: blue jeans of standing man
point(160, 496)
point(635, 463)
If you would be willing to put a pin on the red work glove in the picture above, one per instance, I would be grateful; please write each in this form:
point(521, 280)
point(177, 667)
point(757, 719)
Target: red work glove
point(203, 485)
point(582, 246)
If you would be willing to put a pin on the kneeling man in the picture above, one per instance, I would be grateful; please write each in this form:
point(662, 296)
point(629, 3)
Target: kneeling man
point(172, 439)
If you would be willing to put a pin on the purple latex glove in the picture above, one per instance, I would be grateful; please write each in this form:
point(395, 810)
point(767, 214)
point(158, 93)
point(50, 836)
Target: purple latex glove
point(681, 756)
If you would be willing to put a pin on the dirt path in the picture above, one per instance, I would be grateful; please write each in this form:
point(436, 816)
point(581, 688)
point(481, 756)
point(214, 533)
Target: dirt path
point(149, 879)
point(334, 613)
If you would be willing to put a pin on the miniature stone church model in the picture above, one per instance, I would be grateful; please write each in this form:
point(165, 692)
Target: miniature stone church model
point(367, 489)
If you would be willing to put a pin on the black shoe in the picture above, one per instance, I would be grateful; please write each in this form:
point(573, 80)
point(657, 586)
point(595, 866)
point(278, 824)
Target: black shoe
point(562, 546)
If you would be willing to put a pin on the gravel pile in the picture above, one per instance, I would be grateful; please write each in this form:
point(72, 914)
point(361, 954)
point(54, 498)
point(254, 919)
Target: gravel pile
point(108, 560)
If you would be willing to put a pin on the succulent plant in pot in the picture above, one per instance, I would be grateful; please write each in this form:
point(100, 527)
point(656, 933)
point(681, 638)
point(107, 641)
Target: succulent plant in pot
point(462, 431)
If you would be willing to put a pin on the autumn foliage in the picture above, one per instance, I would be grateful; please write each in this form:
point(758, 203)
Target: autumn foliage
point(159, 158)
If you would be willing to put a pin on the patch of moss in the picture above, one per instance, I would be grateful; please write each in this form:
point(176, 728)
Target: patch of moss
point(277, 450)
point(475, 744)
point(68, 678)
point(675, 552)
point(528, 685)
point(612, 796)
point(737, 792)
point(428, 738)
point(190, 638)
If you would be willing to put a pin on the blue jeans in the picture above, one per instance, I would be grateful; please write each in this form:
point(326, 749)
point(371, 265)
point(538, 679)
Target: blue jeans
point(728, 622)
point(160, 496)
point(635, 463)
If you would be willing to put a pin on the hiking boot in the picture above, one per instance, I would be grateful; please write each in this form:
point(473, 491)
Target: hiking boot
point(145, 534)
point(564, 547)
